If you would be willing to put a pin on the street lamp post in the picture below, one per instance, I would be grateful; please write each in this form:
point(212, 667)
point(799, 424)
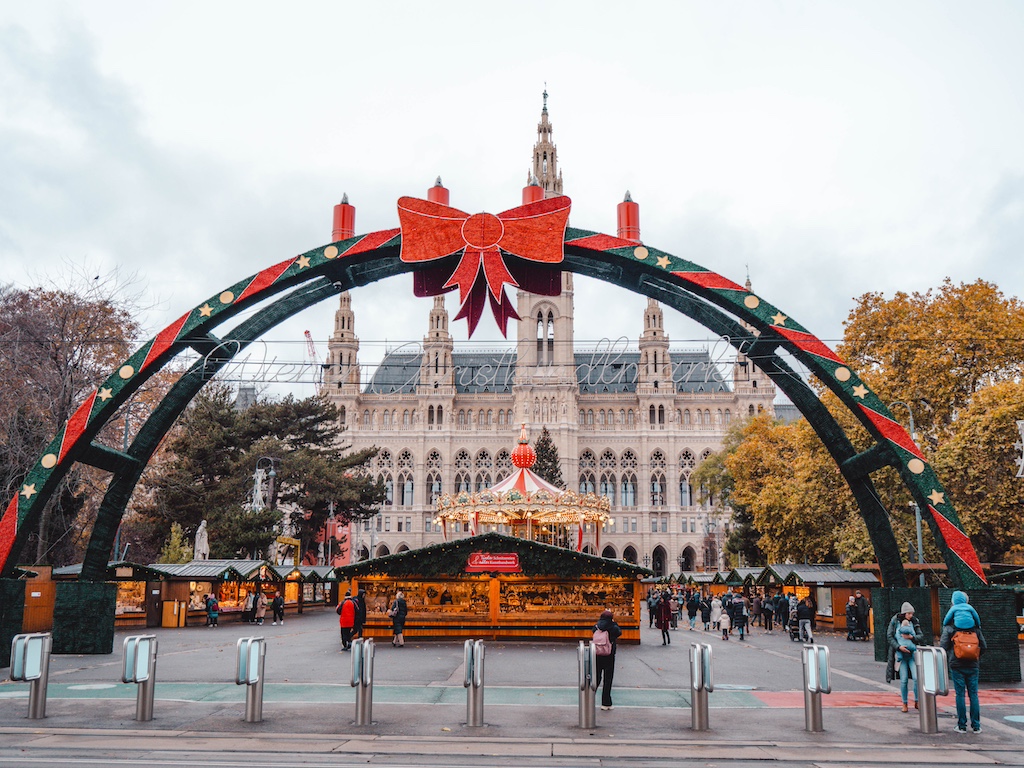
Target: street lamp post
point(916, 506)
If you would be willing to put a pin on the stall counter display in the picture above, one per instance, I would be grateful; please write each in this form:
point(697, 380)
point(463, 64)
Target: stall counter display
point(131, 597)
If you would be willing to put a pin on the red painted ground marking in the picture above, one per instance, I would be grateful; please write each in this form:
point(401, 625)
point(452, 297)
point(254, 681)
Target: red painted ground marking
point(839, 699)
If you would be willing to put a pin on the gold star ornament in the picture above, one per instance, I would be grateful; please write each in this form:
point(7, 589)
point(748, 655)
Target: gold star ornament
point(105, 394)
point(779, 319)
point(206, 310)
point(303, 262)
point(860, 391)
point(28, 491)
point(936, 497)
point(664, 261)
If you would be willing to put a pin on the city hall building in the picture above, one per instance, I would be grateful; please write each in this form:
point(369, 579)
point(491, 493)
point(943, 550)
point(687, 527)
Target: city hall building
point(631, 424)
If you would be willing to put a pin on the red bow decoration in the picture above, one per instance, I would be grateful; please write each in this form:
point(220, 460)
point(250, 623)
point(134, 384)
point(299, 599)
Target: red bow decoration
point(533, 232)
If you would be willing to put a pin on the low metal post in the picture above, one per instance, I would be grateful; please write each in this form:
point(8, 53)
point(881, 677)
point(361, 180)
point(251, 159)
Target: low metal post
point(252, 653)
point(140, 668)
point(362, 679)
point(931, 682)
point(30, 663)
point(817, 680)
point(701, 683)
point(474, 682)
point(587, 662)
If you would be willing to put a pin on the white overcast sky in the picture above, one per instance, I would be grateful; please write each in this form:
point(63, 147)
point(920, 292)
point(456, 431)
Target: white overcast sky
point(831, 149)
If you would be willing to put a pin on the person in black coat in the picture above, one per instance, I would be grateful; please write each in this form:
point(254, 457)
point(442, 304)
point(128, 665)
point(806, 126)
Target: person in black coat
point(606, 664)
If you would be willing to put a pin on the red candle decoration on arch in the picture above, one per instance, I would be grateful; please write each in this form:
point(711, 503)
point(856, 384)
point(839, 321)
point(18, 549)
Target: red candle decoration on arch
point(523, 455)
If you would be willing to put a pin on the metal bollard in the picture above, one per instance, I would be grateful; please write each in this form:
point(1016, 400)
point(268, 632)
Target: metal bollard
point(30, 663)
point(140, 667)
point(362, 679)
point(252, 652)
point(701, 683)
point(817, 680)
point(587, 660)
point(474, 682)
point(931, 682)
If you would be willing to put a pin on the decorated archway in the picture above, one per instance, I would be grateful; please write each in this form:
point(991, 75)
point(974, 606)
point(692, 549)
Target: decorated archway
point(478, 255)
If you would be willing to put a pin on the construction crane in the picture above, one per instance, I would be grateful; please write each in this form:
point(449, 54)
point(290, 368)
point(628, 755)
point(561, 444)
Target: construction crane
point(313, 360)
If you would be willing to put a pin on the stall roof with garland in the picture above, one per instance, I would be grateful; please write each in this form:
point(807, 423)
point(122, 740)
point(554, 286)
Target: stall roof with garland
point(449, 559)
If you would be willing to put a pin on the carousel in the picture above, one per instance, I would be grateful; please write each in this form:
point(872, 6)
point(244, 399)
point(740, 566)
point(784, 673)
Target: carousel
point(527, 507)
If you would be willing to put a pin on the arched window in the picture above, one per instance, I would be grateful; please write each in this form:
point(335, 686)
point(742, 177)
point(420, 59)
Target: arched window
point(430, 416)
point(502, 465)
point(433, 488)
point(387, 420)
point(463, 483)
point(462, 418)
point(661, 416)
point(653, 419)
point(405, 489)
point(628, 490)
point(630, 418)
point(405, 418)
point(389, 489)
point(590, 418)
point(657, 490)
point(583, 416)
point(587, 483)
point(607, 487)
point(685, 491)
point(483, 481)
point(341, 415)
point(686, 417)
point(366, 416)
point(440, 414)
point(728, 417)
point(551, 338)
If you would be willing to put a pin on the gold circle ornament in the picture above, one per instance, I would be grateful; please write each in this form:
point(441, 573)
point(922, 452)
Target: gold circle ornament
point(227, 297)
point(916, 466)
point(752, 302)
point(843, 373)
point(331, 252)
point(49, 461)
point(641, 252)
point(126, 372)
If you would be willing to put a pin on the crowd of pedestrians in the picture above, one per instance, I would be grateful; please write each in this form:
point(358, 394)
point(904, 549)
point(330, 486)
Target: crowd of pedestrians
point(732, 613)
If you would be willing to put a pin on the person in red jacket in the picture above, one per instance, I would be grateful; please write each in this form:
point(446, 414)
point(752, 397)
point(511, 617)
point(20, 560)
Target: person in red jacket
point(347, 620)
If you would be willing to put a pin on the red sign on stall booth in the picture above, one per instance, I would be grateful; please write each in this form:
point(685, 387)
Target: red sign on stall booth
point(501, 562)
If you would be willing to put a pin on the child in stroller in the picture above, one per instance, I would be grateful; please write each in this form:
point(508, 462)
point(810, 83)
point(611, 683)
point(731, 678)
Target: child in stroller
point(793, 626)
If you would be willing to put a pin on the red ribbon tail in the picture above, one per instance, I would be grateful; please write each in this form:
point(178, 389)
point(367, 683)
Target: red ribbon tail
point(474, 305)
point(496, 272)
point(465, 274)
point(503, 311)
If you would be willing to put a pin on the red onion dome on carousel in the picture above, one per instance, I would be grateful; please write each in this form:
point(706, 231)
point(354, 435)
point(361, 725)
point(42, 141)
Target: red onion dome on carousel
point(527, 506)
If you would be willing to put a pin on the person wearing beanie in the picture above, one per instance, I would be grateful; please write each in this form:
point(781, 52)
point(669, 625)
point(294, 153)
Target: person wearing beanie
point(961, 613)
point(917, 638)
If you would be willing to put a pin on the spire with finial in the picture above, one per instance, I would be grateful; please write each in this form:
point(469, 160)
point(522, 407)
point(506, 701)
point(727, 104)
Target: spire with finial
point(628, 198)
point(344, 198)
point(545, 110)
point(438, 182)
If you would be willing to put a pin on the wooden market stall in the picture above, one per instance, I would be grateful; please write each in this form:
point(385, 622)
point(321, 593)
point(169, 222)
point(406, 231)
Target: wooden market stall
point(830, 587)
point(139, 591)
point(494, 586)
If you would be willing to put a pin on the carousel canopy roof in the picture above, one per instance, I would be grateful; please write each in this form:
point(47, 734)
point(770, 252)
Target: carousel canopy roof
point(523, 496)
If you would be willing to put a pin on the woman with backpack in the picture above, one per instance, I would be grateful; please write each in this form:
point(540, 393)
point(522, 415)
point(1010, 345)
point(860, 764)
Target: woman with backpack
point(605, 642)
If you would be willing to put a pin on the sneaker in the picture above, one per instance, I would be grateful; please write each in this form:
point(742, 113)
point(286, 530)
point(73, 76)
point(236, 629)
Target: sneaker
point(606, 709)
point(959, 729)
point(976, 730)
point(275, 623)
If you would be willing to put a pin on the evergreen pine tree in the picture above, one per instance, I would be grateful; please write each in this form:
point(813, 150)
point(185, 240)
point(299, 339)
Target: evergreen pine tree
point(176, 550)
point(547, 466)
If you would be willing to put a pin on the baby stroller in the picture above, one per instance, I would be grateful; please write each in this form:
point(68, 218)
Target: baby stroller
point(855, 631)
point(793, 626)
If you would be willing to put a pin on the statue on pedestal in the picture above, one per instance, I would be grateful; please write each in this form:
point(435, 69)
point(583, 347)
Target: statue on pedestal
point(201, 551)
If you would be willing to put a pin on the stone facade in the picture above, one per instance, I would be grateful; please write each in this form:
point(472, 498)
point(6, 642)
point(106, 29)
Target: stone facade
point(628, 423)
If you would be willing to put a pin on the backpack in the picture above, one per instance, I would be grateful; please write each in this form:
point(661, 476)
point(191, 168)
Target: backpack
point(965, 645)
point(214, 607)
point(602, 643)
